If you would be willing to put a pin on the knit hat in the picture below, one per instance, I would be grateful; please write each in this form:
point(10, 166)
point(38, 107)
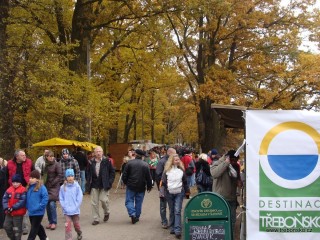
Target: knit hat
point(16, 178)
point(214, 151)
point(69, 172)
point(35, 174)
point(65, 151)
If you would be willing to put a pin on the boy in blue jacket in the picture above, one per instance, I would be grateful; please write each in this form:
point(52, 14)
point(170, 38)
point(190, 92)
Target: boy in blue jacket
point(70, 197)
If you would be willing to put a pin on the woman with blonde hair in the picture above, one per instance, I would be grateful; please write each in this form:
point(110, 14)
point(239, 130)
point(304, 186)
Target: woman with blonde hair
point(176, 186)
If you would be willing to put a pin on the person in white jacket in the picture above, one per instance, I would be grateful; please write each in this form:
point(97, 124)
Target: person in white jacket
point(70, 197)
point(41, 162)
point(176, 186)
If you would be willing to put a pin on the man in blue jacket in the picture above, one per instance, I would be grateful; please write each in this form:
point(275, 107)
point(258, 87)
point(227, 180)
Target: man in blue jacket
point(136, 176)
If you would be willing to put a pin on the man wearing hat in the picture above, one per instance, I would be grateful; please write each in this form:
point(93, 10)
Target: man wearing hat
point(14, 205)
point(213, 155)
point(225, 181)
point(68, 162)
point(136, 176)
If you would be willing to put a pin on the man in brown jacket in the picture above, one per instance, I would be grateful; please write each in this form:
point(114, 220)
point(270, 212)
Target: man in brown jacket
point(225, 183)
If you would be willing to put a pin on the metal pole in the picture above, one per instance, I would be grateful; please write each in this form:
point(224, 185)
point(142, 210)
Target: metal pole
point(142, 120)
point(89, 77)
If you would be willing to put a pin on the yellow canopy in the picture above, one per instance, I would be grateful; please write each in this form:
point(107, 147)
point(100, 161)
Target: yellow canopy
point(60, 142)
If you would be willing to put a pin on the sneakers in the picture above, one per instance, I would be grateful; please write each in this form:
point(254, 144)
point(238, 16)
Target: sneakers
point(53, 226)
point(79, 237)
point(95, 222)
point(106, 217)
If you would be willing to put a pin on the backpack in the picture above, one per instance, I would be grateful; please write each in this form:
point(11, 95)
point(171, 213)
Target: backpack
point(203, 179)
point(190, 168)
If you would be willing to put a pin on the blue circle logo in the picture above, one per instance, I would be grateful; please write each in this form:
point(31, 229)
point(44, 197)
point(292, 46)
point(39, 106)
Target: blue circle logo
point(289, 155)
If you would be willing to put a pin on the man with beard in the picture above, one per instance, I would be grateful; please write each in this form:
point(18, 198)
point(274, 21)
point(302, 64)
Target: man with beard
point(226, 181)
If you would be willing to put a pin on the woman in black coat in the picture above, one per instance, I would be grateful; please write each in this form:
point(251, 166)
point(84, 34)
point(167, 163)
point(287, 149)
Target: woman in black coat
point(203, 167)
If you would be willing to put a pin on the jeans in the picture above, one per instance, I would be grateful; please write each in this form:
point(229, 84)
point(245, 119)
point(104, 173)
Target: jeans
point(13, 227)
point(163, 211)
point(191, 180)
point(134, 202)
point(83, 180)
point(36, 228)
point(175, 206)
point(52, 212)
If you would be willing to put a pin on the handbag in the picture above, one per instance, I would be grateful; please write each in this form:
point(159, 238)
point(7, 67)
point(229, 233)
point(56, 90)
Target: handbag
point(203, 179)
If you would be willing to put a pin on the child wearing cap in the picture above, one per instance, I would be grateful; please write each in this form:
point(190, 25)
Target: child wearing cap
point(37, 200)
point(70, 197)
point(14, 204)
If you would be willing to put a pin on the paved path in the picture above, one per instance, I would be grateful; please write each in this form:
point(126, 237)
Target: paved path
point(119, 226)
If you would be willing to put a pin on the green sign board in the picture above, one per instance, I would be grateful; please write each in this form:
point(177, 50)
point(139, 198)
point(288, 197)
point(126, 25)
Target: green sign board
point(207, 217)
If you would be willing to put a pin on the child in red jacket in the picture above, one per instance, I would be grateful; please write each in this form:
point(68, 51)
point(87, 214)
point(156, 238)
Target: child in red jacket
point(14, 205)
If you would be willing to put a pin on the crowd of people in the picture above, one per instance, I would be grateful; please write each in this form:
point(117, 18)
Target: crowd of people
point(30, 190)
point(175, 171)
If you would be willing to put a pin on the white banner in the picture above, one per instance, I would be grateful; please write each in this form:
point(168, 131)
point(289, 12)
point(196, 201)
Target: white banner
point(282, 175)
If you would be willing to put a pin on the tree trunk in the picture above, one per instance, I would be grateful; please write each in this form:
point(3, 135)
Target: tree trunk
point(152, 118)
point(113, 134)
point(211, 134)
point(81, 32)
point(7, 142)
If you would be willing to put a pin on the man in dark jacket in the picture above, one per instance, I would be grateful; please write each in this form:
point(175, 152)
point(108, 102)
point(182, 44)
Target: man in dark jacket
point(100, 176)
point(136, 176)
point(83, 162)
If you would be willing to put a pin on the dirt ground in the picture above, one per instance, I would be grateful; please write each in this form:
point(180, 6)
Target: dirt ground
point(119, 226)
